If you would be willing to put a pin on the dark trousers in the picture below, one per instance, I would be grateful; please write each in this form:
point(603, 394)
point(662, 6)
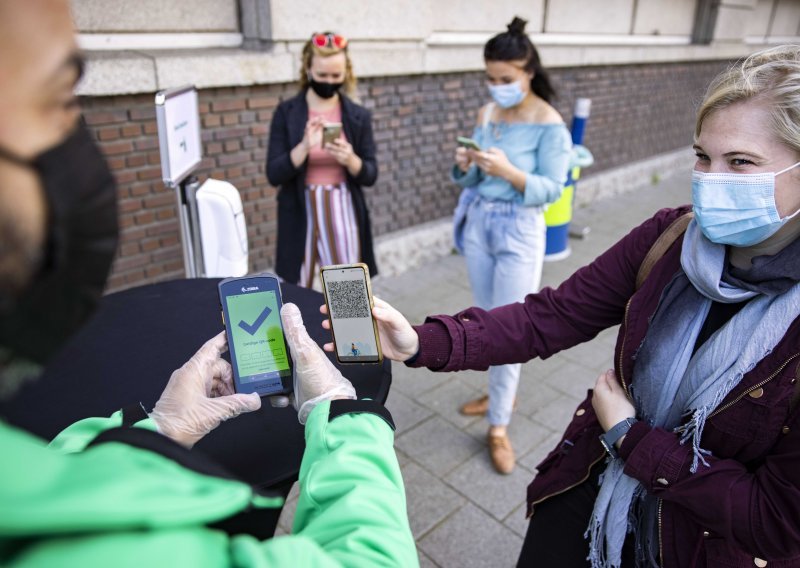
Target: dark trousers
point(555, 532)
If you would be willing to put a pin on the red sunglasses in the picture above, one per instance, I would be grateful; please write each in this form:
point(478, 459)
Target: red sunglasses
point(329, 40)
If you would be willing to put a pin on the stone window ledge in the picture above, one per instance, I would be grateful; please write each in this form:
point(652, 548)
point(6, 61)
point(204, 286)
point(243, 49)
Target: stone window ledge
point(113, 72)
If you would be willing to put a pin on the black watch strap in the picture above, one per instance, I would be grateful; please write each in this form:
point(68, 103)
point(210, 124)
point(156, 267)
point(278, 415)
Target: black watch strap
point(614, 433)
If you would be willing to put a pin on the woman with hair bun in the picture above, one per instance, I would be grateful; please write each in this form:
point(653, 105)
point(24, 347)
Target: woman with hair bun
point(520, 168)
point(322, 214)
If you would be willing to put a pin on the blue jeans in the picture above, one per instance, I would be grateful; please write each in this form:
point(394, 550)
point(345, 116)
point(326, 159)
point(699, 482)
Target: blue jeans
point(504, 247)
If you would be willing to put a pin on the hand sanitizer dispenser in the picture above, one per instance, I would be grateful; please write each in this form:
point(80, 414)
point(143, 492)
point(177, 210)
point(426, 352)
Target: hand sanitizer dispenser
point(223, 233)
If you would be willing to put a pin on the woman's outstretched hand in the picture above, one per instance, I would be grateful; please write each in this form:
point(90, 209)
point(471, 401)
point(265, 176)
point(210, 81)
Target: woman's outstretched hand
point(399, 341)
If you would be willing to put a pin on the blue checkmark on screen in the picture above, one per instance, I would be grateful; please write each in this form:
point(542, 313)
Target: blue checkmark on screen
point(252, 328)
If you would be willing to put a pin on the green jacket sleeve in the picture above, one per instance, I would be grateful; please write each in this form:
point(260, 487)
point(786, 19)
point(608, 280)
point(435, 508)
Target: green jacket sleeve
point(352, 502)
point(88, 508)
point(77, 436)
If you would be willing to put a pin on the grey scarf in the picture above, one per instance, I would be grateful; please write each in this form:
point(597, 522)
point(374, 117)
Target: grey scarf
point(671, 384)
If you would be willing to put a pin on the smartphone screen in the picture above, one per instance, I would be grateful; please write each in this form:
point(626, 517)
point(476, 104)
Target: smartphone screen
point(468, 143)
point(259, 353)
point(331, 132)
point(348, 296)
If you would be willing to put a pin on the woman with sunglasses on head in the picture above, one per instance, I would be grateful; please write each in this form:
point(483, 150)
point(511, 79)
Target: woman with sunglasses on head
point(322, 214)
point(521, 167)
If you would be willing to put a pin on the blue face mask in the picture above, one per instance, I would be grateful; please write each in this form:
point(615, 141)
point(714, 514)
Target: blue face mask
point(507, 96)
point(737, 209)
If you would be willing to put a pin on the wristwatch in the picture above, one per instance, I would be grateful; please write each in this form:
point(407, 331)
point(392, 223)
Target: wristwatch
point(614, 433)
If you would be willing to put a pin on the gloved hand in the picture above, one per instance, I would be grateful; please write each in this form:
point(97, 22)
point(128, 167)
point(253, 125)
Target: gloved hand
point(316, 379)
point(200, 395)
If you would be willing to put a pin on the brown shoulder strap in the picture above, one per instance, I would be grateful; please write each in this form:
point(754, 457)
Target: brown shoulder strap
point(662, 244)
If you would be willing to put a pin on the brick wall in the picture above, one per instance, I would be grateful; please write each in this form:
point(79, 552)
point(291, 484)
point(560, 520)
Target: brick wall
point(637, 111)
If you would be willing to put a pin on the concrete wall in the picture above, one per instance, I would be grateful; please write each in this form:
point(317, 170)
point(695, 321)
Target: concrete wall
point(143, 46)
point(143, 16)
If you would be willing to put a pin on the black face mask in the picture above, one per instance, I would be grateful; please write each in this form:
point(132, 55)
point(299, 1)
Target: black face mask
point(324, 90)
point(81, 242)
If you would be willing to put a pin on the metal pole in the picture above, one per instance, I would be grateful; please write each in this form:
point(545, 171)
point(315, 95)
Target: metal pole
point(186, 231)
point(580, 117)
point(191, 185)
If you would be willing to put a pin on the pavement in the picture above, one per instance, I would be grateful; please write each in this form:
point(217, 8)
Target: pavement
point(462, 513)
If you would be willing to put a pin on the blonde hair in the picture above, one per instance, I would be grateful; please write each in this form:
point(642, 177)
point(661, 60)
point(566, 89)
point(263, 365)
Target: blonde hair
point(310, 50)
point(772, 76)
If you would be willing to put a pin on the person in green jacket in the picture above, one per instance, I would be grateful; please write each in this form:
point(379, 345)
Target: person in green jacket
point(127, 490)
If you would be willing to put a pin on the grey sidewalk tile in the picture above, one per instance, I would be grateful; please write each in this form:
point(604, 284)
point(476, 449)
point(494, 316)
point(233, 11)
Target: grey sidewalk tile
point(516, 520)
point(478, 380)
point(524, 434)
point(538, 453)
point(472, 539)
point(595, 354)
point(428, 499)
point(446, 399)
point(558, 413)
point(425, 561)
point(415, 382)
point(496, 494)
point(535, 392)
point(438, 446)
point(573, 379)
point(405, 411)
point(402, 458)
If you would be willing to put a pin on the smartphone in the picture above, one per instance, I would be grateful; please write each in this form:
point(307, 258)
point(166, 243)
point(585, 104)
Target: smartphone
point(251, 312)
point(348, 295)
point(468, 143)
point(331, 132)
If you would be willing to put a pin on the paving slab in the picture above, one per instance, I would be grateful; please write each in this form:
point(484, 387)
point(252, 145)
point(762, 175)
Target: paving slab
point(438, 446)
point(472, 539)
point(497, 495)
point(431, 502)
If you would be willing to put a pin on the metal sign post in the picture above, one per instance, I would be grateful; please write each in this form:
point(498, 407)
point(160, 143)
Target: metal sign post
point(178, 119)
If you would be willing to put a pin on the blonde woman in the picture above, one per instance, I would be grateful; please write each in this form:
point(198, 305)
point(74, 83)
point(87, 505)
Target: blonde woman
point(322, 214)
point(687, 453)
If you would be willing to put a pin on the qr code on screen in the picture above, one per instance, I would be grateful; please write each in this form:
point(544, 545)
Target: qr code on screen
point(348, 299)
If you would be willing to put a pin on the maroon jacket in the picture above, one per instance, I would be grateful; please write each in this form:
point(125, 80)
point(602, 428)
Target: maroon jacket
point(742, 510)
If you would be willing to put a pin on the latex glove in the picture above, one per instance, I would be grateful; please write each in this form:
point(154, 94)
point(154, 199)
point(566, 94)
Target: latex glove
point(200, 395)
point(316, 379)
point(399, 341)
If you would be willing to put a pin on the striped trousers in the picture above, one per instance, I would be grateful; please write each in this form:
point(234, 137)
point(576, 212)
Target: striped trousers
point(331, 230)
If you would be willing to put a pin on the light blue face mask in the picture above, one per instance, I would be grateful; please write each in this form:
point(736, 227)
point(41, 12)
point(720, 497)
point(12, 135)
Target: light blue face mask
point(507, 96)
point(737, 209)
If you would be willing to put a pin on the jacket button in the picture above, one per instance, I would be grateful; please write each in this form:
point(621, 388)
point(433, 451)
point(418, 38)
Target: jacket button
point(580, 412)
point(705, 534)
point(662, 481)
point(785, 430)
point(758, 393)
point(464, 318)
point(760, 562)
point(793, 381)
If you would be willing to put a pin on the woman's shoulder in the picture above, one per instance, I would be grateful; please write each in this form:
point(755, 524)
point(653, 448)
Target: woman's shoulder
point(488, 107)
point(542, 112)
point(295, 101)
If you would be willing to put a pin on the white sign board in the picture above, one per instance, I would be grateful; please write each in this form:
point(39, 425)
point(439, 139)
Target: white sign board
point(178, 133)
